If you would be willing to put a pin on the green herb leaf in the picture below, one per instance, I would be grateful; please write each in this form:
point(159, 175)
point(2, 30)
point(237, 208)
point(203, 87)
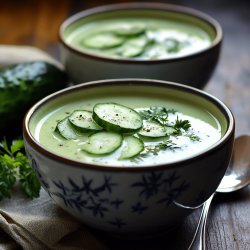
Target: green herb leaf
point(16, 146)
point(194, 137)
point(157, 114)
point(181, 124)
point(4, 146)
point(155, 149)
point(14, 165)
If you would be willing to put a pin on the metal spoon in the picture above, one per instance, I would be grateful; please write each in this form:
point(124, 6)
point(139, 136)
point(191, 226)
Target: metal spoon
point(236, 177)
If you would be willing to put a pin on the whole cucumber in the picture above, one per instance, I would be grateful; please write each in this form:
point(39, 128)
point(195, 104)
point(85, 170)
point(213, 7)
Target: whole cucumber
point(21, 85)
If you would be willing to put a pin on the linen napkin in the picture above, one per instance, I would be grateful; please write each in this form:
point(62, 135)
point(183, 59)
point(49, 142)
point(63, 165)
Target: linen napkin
point(39, 224)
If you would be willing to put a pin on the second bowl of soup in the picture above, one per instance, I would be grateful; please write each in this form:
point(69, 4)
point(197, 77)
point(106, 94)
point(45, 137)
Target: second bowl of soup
point(142, 40)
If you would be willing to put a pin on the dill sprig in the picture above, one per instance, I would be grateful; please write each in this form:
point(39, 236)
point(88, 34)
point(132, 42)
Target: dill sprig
point(157, 114)
point(155, 149)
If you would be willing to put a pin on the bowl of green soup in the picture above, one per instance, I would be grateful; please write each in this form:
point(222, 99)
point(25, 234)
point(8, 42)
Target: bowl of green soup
point(141, 40)
point(129, 156)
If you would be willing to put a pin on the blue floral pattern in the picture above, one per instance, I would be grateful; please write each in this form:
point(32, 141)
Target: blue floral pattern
point(88, 194)
point(169, 187)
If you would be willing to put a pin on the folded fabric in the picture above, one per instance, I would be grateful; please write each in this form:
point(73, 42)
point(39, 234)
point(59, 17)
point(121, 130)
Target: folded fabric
point(39, 224)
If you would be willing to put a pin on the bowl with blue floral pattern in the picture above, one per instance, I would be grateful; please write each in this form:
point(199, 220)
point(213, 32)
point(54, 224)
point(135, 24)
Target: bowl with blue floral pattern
point(129, 156)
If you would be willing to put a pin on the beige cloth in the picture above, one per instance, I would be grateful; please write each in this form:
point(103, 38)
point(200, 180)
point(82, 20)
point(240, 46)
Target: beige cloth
point(39, 224)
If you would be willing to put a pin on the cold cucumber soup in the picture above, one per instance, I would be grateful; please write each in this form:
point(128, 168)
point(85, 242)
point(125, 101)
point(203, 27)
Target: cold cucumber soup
point(138, 37)
point(131, 129)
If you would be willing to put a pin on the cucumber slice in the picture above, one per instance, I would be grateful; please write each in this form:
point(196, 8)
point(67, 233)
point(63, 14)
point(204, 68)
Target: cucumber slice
point(133, 47)
point(103, 143)
point(129, 52)
point(82, 121)
point(152, 129)
point(134, 146)
point(117, 118)
point(103, 41)
point(130, 30)
point(65, 130)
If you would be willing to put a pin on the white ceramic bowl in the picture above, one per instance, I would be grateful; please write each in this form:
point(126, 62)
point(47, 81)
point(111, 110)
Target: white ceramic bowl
point(134, 200)
point(192, 69)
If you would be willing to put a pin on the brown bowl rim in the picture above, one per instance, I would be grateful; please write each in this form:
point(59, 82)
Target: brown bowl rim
point(147, 6)
point(130, 82)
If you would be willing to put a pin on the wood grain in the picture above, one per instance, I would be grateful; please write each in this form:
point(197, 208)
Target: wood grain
point(36, 23)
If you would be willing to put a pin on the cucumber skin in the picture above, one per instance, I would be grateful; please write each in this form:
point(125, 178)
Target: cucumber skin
point(60, 133)
point(138, 153)
point(113, 127)
point(22, 85)
point(143, 134)
point(83, 130)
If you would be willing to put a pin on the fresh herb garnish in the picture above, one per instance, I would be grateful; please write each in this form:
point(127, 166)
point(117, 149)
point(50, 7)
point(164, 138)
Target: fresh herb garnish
point(181, 124)
point(155, 149)
point(180, 127)
point(157, 114)
point(14, 165)
point(194, 137)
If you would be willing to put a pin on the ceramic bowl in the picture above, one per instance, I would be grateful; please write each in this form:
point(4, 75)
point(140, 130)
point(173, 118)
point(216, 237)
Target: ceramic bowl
point(192, 69)
point(132, 201)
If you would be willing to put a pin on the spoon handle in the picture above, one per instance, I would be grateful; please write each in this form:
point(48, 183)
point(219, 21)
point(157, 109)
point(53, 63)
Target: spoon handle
point(199, 239)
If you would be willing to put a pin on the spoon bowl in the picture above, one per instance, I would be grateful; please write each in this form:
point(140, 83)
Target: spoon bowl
point(236, 177)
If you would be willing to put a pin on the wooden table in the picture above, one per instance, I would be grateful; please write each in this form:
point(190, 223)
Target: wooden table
point(36, 23)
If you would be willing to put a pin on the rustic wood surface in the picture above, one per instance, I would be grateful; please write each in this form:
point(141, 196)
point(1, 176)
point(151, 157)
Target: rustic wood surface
point(35, 23)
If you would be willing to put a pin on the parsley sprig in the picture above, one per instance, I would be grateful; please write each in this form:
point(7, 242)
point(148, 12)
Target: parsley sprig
point(14, 165)
point(181, 125)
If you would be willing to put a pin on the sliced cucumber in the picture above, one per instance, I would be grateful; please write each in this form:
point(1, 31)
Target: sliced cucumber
point(130, 30)
point(133, 47)
point(117, 118)
point(152, 129)
point(82, 121)
point(65, 129)
point(129, 52)
point(103, 143)
point(103, 41)
point(133, 147)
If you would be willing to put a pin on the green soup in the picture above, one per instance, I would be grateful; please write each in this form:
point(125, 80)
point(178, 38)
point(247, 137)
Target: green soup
point(139, 37)
point(207, 124)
